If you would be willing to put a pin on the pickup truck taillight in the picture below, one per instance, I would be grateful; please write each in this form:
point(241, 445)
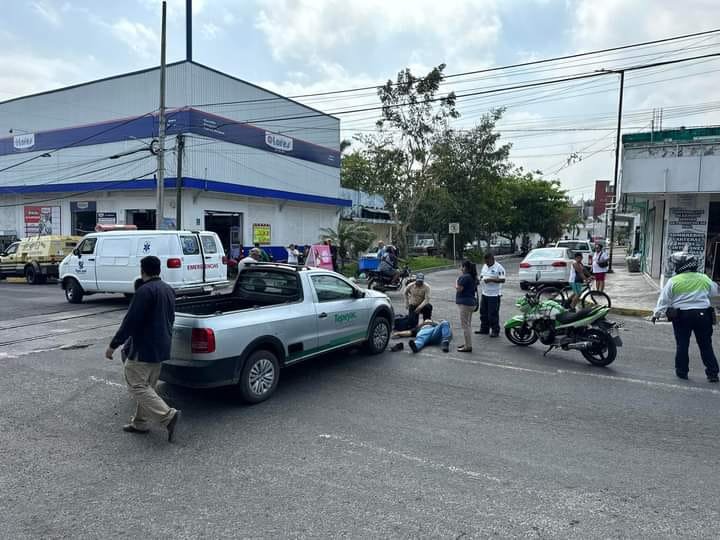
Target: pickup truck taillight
point(524, 265)
point(203, 340)
point(174, 263)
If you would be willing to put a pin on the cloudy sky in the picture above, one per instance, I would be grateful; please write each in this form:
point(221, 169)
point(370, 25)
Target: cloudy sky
point(305, 46)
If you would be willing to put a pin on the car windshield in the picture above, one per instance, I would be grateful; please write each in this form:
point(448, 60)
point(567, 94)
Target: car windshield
point(547, 254)
point(575, 246)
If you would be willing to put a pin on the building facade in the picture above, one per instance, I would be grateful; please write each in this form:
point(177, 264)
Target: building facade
point(256, 167)
point(672, 178)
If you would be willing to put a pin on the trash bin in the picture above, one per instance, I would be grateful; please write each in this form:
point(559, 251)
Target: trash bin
point(633, 263)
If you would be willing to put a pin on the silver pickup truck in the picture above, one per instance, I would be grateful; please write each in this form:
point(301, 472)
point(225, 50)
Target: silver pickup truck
point(276, 315)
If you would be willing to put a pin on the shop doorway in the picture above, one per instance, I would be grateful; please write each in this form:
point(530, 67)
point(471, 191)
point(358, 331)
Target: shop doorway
point(144, 220)
point(712, 250)
point(228, 226)
point(84, 217)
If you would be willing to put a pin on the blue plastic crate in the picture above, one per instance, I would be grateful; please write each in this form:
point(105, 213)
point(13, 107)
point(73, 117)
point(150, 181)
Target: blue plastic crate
point(368, 263)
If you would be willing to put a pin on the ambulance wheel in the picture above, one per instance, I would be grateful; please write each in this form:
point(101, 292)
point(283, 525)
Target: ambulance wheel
point(73, 292)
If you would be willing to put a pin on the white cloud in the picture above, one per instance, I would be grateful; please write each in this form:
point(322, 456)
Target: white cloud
point(453, 31)
point(210, 30)
point(47, 12)
point(22, 74)
point(140, 38)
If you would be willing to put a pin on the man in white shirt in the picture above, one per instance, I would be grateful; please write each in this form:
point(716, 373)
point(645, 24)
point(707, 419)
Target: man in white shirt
point(292, 254)
point(600, 263)
point(492, 277)
point(253, 257)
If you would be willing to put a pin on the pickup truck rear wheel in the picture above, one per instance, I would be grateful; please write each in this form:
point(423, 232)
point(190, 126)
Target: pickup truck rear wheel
point(73, 291)
point(259, 376)
point(32, 276)
point(379, 335)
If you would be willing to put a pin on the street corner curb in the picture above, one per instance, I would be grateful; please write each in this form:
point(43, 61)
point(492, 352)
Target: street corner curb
point(631, 312)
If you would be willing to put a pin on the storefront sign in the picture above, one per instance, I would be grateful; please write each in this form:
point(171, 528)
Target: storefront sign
point(278, 142)
point(83, 206)
point(687, 227)
point(106, 218)
point(42, 220)
point(261, 233)
point(24, 141)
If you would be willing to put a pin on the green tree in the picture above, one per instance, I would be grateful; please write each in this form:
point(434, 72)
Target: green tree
point(350, 238)
point(401, 152)
point(536, 206)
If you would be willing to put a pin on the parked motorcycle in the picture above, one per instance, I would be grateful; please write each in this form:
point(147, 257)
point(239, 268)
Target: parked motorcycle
point(383, 283)
point(587, 330)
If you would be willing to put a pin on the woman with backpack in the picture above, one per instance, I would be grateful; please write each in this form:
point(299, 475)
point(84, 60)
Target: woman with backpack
point(600, 264)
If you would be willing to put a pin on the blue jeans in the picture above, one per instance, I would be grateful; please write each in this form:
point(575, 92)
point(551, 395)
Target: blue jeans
point(433, 335)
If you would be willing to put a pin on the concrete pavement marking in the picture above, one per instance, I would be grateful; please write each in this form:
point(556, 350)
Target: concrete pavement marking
point(107, 382)
point(552, 373)
point(408, 457)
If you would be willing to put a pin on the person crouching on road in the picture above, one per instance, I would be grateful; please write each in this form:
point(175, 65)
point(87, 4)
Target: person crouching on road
point(466, 291)
point(149, 323)
point(492, 277)
point(417, 300)
point(685, 299)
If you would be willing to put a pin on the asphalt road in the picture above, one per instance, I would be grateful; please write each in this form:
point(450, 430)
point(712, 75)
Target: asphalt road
point(501, 442)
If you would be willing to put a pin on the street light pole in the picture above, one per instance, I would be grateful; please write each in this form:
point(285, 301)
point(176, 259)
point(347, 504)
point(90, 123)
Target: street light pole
point(160, 211)
point(617, 168)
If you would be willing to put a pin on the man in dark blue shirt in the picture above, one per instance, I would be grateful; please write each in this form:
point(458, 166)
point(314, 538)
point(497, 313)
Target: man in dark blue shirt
point(149, 322)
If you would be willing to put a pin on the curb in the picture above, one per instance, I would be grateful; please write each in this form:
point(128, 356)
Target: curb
point(631, 312)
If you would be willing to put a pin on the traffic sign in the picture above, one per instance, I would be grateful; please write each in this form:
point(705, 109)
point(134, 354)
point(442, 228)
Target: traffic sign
point(454, 228)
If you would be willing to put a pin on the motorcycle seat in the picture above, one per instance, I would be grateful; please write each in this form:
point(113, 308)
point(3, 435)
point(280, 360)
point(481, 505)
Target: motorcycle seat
point(570, 317)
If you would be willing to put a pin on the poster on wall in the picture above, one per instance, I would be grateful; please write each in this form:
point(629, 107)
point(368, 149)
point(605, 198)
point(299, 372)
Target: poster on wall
point(107, 218)
point(42, 220)
point(687, 226)
point(261, 233)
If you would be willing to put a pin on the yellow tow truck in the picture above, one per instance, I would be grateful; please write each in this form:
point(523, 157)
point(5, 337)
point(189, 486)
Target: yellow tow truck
point(36, 258)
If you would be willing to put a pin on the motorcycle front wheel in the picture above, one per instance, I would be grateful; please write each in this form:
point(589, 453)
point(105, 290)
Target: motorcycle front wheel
point(602, 351)
point(521, 335)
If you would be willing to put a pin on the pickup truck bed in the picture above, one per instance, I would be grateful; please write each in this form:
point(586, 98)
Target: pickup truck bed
point(221, 304)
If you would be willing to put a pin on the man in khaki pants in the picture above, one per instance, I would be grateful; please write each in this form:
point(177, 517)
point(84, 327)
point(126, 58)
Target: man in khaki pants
point(148, 324)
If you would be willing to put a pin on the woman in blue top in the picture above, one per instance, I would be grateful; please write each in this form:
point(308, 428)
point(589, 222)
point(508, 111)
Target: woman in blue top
point(466, 288)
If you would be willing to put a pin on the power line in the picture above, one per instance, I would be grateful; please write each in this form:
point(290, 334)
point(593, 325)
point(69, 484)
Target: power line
point(478, 71)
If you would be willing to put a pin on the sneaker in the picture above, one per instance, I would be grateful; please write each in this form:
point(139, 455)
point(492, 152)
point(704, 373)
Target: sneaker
point(713, 378)
point(412, 345)
point(445, 346)
point(172, 426)
point(129, 428)
point(462, 348)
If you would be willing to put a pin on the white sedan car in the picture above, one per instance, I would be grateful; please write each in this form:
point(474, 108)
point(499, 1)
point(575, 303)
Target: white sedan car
point(546, 266)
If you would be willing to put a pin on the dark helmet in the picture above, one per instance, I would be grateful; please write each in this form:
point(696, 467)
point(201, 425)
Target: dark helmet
point(684, 262)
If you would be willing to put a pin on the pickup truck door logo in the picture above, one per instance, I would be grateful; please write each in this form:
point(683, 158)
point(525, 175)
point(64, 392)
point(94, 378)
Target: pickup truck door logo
point(345, 318)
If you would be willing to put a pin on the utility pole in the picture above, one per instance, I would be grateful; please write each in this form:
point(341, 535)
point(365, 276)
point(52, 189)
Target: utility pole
point(617, 169)
point(188, 30)
point(160, 211)
point(180, 147)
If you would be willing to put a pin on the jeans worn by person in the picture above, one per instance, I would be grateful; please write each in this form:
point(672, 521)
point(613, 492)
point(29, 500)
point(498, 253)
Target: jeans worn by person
point(698, 322)
point(437, 334)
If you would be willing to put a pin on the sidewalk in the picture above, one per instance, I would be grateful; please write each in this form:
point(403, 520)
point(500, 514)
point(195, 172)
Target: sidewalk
point(631, 293)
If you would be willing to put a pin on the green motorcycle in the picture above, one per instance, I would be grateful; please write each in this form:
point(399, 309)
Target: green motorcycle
point(587, 330)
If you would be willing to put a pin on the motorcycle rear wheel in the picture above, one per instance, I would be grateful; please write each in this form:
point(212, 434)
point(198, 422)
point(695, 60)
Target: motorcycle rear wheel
point(522, 336)
point(603, 352)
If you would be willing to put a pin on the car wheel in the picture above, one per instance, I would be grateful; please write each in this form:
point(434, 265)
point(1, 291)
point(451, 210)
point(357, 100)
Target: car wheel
point(73, 292)
point(31, 275)
point(378, 336)
point(259, 376)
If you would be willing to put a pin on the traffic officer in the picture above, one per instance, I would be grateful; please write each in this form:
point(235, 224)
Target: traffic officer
point(686, 301)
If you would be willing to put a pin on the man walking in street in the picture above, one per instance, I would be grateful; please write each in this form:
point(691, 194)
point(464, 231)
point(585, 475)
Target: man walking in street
point(417, 299)
point(685, 299)
point(600, 263)
point(149, 322)
point(492, 276)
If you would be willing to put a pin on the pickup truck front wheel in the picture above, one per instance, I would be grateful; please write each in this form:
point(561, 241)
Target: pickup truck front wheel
point(259, 376)
point(379, 335)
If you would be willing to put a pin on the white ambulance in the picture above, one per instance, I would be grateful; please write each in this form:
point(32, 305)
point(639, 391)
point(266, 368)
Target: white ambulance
point(193, 262)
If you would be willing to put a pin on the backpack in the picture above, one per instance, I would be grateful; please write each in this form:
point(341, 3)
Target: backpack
point(603, 263)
